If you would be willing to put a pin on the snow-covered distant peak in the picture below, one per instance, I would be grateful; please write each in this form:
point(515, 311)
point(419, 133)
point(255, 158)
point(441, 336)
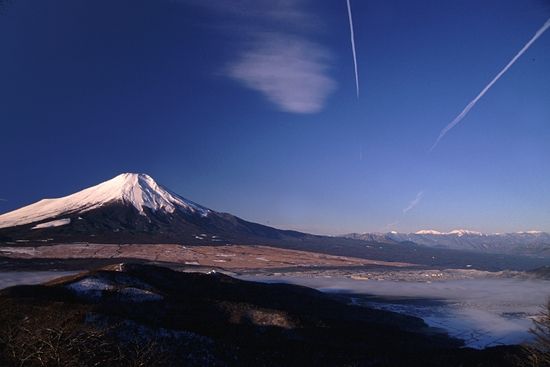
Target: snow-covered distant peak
point(456, 232)
point(462, 232)
point(139, 190)
point(428, 231)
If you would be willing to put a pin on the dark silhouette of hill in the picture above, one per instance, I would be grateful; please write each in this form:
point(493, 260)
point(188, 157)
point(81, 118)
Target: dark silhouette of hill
point(145, 315)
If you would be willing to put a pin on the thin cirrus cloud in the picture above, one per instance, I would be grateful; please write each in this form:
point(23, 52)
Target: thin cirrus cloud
point(275, 54)
point(290, 72)
point(415, 202)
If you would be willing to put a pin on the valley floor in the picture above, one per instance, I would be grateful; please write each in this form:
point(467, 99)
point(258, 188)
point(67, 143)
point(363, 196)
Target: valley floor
point(482, 308)
point(226, 256)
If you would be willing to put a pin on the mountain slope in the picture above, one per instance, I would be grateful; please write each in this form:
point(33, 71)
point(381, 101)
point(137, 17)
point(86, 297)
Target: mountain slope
point(134, 209)
point(137, 190)
point(130, 208)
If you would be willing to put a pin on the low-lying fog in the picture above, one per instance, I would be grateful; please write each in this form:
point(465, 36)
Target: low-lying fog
point(11, 278)
point(482, 312)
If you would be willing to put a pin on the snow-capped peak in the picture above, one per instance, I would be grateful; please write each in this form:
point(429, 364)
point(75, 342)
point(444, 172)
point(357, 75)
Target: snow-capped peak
point(456, 232)
point(428, 231)
point(139, 190)
point(462, 232)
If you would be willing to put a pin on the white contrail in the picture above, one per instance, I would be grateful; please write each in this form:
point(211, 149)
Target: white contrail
point(475, 100)
point(415, 202)
point(353, 48)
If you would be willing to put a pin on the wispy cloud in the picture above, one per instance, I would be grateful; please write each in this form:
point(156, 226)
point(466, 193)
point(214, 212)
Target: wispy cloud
point(3, 199)
point(412, 205)
point(289, 71)
point(415, 202)
point(275, 53)
point(470, 105)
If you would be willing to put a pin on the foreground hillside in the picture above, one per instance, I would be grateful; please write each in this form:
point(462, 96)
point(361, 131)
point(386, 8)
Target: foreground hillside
point(144, 315)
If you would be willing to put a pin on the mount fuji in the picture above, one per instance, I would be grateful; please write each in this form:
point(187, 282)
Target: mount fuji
point(134, 209)
point(130, 208)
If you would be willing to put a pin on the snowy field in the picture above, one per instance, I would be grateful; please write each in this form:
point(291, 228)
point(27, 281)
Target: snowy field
point(11, 278)
point(482, 312)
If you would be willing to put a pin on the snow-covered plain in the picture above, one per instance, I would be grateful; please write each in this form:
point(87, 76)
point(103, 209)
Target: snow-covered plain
point(483, 312)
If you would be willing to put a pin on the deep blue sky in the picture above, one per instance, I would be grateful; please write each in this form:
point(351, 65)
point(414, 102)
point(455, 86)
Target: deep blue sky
point(250, 108)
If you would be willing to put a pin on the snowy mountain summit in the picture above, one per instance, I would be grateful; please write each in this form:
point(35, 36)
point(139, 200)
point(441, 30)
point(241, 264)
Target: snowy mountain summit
point(130, 208)
point(142, 191)
point(138, 190)
point(455, 232)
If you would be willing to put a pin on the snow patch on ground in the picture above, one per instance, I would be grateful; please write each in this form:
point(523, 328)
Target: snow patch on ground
point(126, 288)
point(139, 295)
point(18, 250)
point(53, 223)
point(92, 287)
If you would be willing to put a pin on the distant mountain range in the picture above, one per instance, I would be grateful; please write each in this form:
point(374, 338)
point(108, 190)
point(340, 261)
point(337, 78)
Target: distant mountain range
point(533, 243)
